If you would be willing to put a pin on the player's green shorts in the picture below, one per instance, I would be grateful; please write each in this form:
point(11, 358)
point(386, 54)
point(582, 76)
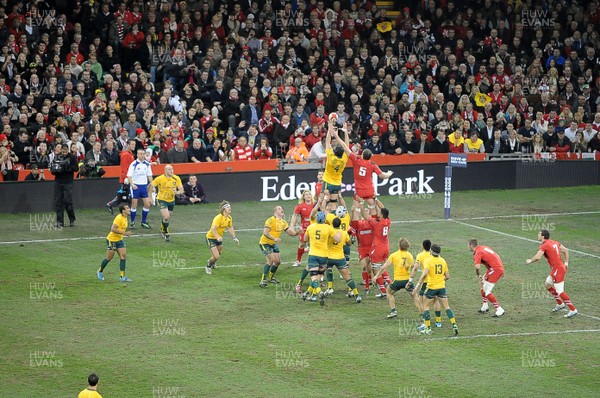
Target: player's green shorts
point(316, 262)
point(397, 285)
point(339, 263)
point(331, 188)
point(213, 242)
point(120, 244)
point(166, 205)
point(432, 293)
point(268, 249)
point(423, 288)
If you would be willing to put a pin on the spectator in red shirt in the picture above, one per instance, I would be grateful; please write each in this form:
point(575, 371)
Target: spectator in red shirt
point(242, 150)
point(266, 125)
point(172, 140)
point(263, 150)
point(274, 106)
point(562, 143)
point(134, 39)
point(132, 42)
point(314, 136)
point(75, 53)
point(318, 117)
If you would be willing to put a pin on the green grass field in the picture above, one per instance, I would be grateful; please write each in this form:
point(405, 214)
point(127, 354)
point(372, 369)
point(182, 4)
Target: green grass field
point(178, 332)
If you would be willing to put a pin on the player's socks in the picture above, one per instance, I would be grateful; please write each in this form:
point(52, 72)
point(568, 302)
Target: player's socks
point(485, 300)
point(303, 276)
point(266, 269)
point(329, 275)
point(122, 264)
point(164, 226)
point(299, 254)
point(427, 318)
point(103, 265)
point(554, 293)
point(273, 270)
point(386, 277)
point(438, 316)
point(365, 277)
point(315, 286)
point(492, 299)
point(309, 290)
point(567, 300)
point(133, 214)
point(352, 286)
point(144, 214)
point(380, 284)
point(451, 316)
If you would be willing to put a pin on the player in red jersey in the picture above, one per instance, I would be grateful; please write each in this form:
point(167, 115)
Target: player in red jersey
point(302, 212)
point(380, 250)
point(492, 261)
point(555, 283)
point(364, 234)
point(364, 168)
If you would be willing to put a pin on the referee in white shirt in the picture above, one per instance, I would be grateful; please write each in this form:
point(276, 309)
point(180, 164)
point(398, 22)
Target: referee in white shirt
point(140, 177)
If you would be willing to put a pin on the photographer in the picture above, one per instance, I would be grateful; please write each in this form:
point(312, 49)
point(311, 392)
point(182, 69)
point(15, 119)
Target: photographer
point(89, 169)
point(63, 168)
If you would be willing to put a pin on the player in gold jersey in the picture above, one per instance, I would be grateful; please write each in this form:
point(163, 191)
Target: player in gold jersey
point(214, 236)
point(313, 214)
point(168, 186)
point(337, 258)
point(436, 272)
point(403, 262)
point(334, 167)
point(342, 213)
point(91, 391)
point(419, 296)
point(269, 244)
point(318, 235)
point(115, 243)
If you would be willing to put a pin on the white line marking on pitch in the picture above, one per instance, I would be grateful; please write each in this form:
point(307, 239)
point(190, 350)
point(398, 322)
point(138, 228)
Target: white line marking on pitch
point(518, 237)
point(231, 266)
point(104, 237)
point(589, 316)
point(487, 336)
point(457, 220)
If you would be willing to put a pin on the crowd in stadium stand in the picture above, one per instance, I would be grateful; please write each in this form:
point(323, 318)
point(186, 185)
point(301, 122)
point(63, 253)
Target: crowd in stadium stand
point(187, 80)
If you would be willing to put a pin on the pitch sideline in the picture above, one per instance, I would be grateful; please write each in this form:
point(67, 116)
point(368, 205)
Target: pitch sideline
point(457, 220)
point(522, 334)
